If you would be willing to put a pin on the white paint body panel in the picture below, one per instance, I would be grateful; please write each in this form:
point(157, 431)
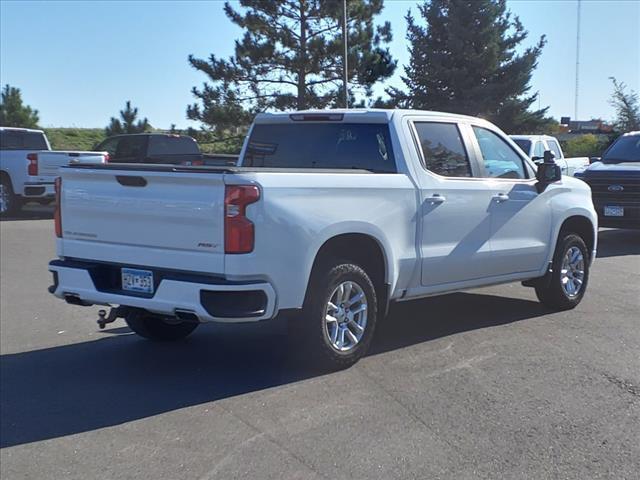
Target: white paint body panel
point(466, 241)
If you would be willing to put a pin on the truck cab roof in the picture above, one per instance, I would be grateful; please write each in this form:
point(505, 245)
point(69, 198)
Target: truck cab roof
point(356, 115)
point(18, 129)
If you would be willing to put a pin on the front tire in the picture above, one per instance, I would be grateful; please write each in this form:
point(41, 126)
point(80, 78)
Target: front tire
point(339, 316)
point(569, 276)
point(156, 328)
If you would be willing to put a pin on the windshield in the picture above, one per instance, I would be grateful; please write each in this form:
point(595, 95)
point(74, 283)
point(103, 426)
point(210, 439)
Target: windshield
point(625, 149)
point(524, 145)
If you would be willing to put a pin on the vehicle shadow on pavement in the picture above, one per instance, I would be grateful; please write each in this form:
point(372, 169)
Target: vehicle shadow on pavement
point(86, 386)
point(617, 243)
point(31, 212)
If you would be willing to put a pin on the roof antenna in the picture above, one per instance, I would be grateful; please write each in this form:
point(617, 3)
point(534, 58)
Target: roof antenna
point(575, 108)
point(345, 85)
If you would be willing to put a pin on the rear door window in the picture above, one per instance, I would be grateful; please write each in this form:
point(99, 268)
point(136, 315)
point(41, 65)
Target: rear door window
point(321, 145)
point(442, 149)
point(22, 140)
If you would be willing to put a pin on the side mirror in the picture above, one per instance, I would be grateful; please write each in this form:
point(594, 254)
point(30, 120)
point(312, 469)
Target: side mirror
point(593, 159)
point(548, 172)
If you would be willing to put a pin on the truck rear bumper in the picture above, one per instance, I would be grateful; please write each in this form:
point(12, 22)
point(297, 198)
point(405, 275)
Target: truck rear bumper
point(38, 190)
point(209, 300)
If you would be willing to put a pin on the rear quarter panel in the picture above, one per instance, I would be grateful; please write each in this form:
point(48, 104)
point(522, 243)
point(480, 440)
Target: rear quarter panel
point(299, 212)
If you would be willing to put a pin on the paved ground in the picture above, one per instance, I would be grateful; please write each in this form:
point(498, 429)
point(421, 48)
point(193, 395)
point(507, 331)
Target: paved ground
point(484, 384)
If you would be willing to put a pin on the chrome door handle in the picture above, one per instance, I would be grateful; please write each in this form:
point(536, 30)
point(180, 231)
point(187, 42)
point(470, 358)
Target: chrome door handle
point(435, 198)
point(501, 197)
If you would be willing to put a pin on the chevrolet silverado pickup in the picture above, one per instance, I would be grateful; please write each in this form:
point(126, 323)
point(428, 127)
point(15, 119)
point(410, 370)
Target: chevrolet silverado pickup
point(28, 167)
point(536, 145)
point(614, 179)
point(329, 217)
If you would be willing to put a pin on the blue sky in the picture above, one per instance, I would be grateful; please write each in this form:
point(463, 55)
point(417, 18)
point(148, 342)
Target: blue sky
point(77, 62)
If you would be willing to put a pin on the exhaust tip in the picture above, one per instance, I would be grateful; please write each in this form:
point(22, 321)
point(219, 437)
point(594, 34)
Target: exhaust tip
point(186, 316)
point(74, 299)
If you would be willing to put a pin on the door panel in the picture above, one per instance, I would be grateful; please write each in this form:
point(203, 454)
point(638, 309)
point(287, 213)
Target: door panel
point(520, 217)
point(455, 233)
point(520, 229)
point(455, 226)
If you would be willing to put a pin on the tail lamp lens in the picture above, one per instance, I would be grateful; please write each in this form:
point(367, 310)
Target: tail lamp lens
point(239, 234)
point(32, 169)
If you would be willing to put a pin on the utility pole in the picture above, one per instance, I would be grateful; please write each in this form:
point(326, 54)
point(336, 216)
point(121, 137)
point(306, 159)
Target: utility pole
point(345, 66)
point(575, 107)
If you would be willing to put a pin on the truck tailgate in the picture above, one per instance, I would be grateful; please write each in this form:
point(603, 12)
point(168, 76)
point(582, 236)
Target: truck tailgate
point(49, 162)
point(166, 219)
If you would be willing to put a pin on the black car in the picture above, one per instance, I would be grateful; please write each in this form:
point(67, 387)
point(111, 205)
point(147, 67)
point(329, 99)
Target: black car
point(615, 183)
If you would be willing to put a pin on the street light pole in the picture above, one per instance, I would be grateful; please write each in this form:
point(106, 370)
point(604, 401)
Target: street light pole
point(345, 66)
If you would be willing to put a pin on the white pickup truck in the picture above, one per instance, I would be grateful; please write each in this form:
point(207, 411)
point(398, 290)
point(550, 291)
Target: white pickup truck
point(535, 146)
point(329, 217)
point(28, 166)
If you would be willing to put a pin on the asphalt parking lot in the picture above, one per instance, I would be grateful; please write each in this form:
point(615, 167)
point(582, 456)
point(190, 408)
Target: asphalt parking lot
point(481, 384)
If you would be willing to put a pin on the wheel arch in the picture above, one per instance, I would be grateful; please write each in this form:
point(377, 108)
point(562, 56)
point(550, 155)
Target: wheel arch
point(582, 225)
point(363, 249)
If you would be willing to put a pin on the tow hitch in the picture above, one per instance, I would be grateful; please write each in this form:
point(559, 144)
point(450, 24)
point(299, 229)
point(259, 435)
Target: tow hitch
point(114, 314)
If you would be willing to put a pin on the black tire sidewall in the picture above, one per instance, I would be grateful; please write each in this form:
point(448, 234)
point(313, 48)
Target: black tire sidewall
point(554, 295)
point(312, 321)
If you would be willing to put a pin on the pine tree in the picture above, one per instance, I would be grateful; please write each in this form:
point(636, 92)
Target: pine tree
point(290, 57)
point(13, 113)
point(464, 60)
point(128, 124)
point(627, 108)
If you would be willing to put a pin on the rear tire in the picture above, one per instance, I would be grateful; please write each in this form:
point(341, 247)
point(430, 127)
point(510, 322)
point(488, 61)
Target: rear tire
point(10, 203)
point(570, 274)
point(154, 327)
point(339, 317)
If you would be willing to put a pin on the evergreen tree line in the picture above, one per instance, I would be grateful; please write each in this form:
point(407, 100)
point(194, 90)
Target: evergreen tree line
point(466, 56)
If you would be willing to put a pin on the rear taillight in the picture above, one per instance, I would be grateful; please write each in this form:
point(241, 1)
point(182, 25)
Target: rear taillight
point(239, 233)
point(57, 215)
point(32, 169)
point(107, 157)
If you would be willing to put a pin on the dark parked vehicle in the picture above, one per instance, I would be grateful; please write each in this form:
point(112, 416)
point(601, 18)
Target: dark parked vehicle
point(615, 183)
point(160, 148)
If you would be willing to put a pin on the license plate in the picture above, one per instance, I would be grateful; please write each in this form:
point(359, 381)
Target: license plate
point(614, 211)
point(134, 280)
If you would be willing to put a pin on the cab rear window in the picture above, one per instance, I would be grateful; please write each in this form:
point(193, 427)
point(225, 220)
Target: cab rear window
point(22, 140)
point(317, 145)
